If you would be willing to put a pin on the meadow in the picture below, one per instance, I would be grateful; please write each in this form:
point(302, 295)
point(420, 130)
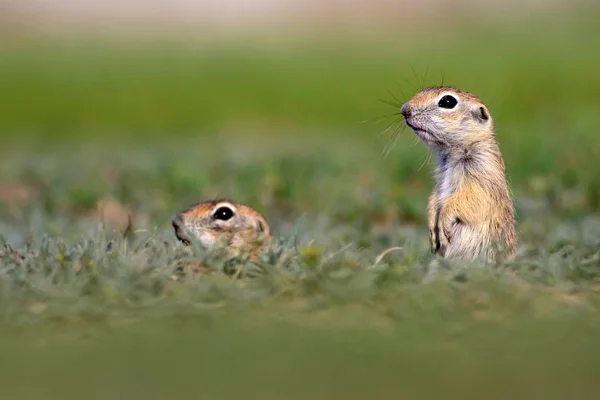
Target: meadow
point(102, 138)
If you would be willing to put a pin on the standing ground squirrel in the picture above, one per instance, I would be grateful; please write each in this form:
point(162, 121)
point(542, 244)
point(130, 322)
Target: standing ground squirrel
point(224, 224)
point(470, 211)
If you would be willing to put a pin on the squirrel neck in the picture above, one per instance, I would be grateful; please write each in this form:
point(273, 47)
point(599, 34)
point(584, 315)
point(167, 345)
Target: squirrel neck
point(465, 154)
point(480, 160)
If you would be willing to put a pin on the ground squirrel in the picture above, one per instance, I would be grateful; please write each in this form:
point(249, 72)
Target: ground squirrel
point(470, 211)
point(223, 224)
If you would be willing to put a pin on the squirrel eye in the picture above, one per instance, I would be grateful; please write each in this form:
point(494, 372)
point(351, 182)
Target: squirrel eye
point(447, 102)
point(223, 213)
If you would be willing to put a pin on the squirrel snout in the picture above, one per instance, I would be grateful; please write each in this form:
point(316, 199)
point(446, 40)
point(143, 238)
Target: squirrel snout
point(177, 221)
point(179, 226)
point(406, 110)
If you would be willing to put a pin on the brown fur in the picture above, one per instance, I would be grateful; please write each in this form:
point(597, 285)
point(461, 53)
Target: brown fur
point(470, 211)
point(247, 231)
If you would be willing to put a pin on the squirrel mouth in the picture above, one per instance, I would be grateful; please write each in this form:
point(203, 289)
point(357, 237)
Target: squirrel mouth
point(414, 128)
point(182, 237)
point(423, 134)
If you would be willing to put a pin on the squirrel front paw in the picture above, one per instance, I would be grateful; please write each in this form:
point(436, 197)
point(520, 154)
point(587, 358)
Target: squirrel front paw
point(433, 242)
point(443, 242)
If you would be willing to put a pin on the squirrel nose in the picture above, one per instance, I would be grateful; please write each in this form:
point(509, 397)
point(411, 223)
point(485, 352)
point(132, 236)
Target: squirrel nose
point(406, 110)
point(177, 221)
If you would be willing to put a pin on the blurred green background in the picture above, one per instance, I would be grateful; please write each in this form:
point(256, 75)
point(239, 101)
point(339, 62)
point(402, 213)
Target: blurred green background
point(124, 108)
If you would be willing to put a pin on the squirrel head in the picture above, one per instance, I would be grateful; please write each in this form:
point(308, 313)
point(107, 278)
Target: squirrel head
point(223, 224)
point(445, 117)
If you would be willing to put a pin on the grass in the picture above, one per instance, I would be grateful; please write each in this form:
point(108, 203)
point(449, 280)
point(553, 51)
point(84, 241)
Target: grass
point(328, 313)
point(323, 314)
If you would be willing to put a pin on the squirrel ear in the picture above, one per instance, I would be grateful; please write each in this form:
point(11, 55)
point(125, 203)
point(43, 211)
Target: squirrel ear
point(482, 115)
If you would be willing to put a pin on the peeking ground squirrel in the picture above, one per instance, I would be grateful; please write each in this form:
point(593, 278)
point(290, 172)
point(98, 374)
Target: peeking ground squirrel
point(225, 224)
point(470, 211)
